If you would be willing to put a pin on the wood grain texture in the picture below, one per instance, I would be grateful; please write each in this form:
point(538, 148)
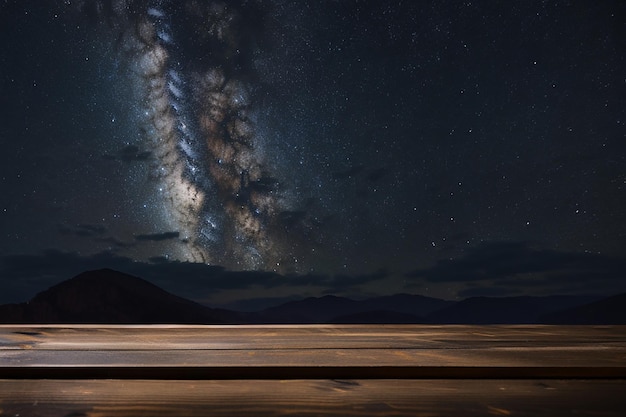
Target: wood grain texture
point(277, 352)
point(114, 398)
point(343, 370)
point(144, 338)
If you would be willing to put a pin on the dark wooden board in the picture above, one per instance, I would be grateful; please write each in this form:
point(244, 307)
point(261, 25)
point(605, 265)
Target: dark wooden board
point(126, 398)
point(89, 337)
point(277, 352)
point(355, 363)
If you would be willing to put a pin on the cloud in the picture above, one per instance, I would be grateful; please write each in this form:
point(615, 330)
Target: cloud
point(343, 282)
point(264, 184)
point(83, 230)
point(133, 153)
point(95, 232)
point(157, 237)
point(53, 262)
point(516, 265)
point(115, 243)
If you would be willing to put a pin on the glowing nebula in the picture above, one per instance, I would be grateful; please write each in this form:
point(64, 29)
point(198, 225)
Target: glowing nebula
point(198, 114)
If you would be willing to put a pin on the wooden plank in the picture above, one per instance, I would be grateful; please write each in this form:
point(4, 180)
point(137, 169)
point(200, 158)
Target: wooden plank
point(125, 398)
point(495, 357)
point(307, 337)
point(90, 337)
point(277, 352)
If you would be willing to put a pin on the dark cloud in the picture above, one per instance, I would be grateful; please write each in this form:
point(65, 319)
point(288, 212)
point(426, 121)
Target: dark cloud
point(83, 230)
point(96, 232)
point(56, 263)
point(350, 282)
point(157, 237)
point(115, 242)
point(133, 153)
point(334, 284)
point(265, 184)
point(515, 264)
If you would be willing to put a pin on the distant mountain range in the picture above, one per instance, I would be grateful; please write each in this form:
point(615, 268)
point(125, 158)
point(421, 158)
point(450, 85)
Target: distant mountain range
point(400, 308)
point(610, 310)
point(107, 296)
point(506, 310)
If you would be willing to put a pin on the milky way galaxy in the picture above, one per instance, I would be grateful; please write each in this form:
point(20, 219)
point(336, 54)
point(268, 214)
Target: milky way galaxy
point(198, 113)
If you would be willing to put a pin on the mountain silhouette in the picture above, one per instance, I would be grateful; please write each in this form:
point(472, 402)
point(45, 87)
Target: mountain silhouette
point(611, 310)
point(309, 310)
point(412, 304)
point(504, 310)
point(406, 308)
point(107, 296)
point(378, 317)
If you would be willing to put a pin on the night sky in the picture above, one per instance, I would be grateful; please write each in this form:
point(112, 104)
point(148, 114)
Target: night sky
point(276, 149)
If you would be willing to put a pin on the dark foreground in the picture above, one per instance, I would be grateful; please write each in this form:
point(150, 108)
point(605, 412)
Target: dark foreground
point(385, 370)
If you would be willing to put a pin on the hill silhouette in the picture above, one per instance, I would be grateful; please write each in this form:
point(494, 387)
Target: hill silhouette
point(610, 310)
point(378, 317)
point(400, 308)
point(107, 296)
point(309, 310)
point(504, 310)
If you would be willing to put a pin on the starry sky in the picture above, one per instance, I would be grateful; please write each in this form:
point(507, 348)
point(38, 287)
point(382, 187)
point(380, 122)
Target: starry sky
point(271, 149)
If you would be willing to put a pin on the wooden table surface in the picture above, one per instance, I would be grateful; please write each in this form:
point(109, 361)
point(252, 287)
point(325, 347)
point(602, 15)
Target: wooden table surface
point(387, 370)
